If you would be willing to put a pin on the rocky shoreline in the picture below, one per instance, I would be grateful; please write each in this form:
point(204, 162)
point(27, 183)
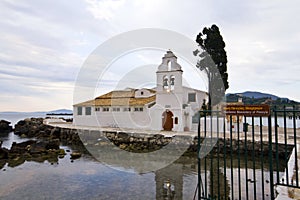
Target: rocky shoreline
point(221, 147)
point(45, 140)
point(34, 127)
point(43, 143)
point(5, 126)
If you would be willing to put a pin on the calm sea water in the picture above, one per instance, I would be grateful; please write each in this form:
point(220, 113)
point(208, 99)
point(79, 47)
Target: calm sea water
point(15, 117)
point(280, 121)
point(87, 178)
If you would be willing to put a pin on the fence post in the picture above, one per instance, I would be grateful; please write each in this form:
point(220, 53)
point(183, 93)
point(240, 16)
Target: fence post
point(271, 157)
point(198, 153)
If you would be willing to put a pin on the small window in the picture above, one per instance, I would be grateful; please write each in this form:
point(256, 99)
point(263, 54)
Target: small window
point(192, 97)
point(142, 93)
point(126, 109)
point(88, 110)
point(79, 111)
point(172, 82)
point(165, 82)
point(116, 109)
point(97, 109)
point(176, 120)
point(195, 118)
point(138, 109)
point(105, 109)
point(169, 66)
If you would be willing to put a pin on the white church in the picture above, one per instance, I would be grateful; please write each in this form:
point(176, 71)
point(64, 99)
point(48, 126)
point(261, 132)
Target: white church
point(169, 106)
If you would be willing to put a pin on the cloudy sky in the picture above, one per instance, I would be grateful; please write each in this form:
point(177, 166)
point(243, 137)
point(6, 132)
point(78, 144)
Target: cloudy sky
point(45, 43)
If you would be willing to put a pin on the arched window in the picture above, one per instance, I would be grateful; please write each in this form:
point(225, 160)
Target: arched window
point(166, 82)
point(176, 120)
point(172, 82)
point(169, 65)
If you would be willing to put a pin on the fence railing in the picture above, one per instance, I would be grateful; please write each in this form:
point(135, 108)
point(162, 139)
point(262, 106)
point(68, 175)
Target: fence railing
point(247, 157)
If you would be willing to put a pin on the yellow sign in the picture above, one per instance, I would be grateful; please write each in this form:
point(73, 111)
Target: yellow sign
point(262, 110)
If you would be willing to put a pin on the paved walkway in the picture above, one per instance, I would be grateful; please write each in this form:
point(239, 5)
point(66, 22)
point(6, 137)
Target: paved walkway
point(62, 124)
point(257, 136)
point(287, 193)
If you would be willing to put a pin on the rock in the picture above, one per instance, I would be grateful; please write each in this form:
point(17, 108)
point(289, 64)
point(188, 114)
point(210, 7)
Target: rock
point(27, 119)
point(38, 148)
point(69, 120)
point(15, 162)
point(43, 146)
point(123, 136)
point(2, 164)
point(55, 132)
point(29, 127)
point(21, 128)
point(123, 146)
point(75, 155)
point(21, 148)
point(3, 153)
point(61, 152)
point(5, 126)
point(43, 134)
point(47, 148)
point(34, 127)
point(131, 139)
point(53, 144)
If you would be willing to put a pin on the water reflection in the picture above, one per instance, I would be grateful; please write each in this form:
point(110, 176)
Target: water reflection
point(86, 178)
point(98, 144)
point(169, 182)
point(220, 179)
point(9, 138)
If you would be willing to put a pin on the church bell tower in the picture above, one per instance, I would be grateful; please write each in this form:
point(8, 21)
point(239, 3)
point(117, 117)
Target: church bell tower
point(169, 82)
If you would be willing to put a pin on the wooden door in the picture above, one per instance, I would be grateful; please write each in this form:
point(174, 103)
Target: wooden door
point(167, 120)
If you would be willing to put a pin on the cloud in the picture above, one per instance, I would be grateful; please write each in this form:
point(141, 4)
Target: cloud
point(105, 9)
point(44, 43)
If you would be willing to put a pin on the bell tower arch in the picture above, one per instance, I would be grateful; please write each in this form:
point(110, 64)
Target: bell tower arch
point(169, 92)
point(169, 75)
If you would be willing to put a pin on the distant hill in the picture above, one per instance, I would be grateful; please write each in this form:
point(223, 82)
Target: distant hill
point(257, 95)
point(261, 98)
point(60, 111)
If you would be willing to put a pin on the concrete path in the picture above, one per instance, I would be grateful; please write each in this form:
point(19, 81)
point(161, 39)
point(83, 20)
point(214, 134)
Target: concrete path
point(127, 130)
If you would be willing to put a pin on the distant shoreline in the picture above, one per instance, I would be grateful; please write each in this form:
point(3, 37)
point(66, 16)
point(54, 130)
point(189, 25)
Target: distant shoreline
point(59, 114)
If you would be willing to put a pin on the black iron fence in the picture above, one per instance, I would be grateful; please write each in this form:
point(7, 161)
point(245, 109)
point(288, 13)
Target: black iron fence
point(247, 157)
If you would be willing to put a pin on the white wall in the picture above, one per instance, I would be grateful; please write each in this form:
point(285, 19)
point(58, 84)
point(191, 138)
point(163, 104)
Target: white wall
point(200, 95)
point(149, 119)
point(142, 93)
point(213, 125)
point(156, 113)
point(84, 120)
point(125, 119)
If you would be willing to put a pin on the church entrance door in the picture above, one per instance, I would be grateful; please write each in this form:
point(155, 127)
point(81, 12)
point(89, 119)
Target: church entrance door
point(167, 120)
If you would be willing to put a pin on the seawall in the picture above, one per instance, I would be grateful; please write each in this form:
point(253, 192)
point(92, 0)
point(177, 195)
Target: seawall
point(147, 141)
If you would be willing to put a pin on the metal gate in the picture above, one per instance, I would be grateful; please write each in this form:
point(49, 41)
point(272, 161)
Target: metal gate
point(247, 157)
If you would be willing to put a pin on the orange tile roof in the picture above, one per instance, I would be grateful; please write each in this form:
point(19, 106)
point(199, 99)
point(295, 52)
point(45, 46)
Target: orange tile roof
point(119, 98)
